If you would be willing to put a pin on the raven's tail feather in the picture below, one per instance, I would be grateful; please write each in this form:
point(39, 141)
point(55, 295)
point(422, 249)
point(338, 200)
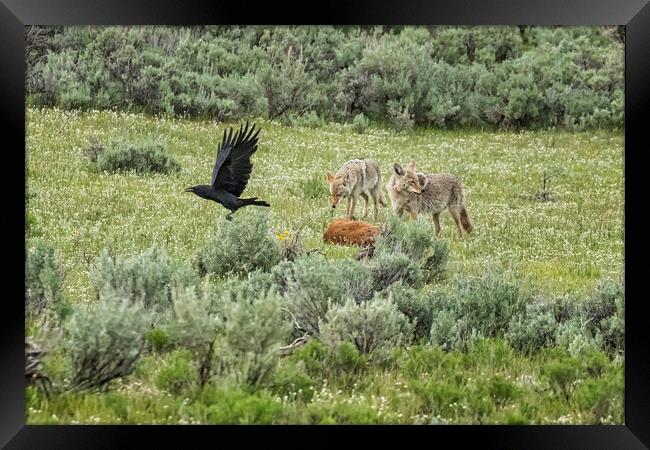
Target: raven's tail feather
point(254, 201)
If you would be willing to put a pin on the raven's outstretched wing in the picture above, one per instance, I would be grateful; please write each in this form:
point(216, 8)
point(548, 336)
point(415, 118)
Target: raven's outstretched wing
point(233, 167)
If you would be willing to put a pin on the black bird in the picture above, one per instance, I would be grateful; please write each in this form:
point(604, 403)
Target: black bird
point(232, 171)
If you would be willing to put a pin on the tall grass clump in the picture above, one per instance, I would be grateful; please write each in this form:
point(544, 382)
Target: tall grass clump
point(142, 157)
point(44, 281)
point(105, 340)
point(240, 246)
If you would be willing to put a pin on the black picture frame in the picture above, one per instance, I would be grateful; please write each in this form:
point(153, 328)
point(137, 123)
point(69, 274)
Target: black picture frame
point(16, 14)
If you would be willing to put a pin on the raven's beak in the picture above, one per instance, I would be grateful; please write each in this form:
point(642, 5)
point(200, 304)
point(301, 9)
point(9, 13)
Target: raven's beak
point(189, 189)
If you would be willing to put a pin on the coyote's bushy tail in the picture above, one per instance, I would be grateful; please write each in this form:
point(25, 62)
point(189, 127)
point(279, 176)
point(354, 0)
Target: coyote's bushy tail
point(254, 201)
point(464, 220)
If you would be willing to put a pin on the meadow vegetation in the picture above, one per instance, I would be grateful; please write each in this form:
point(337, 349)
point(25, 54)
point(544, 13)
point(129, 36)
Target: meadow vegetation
point(155, 309)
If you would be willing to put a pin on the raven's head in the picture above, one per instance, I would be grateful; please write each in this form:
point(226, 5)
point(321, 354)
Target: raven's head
point(202, 190)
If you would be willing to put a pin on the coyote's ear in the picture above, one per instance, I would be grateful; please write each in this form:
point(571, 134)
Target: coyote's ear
point(398, 169)
point(411, 165)
point(422, 179)
point(330, 177)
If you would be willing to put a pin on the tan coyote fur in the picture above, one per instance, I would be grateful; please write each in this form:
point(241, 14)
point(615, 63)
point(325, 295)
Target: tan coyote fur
point(358, 177)
point(415, 192)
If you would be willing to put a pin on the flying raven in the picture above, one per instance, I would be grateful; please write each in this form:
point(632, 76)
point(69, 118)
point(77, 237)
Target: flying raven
point(232, 171)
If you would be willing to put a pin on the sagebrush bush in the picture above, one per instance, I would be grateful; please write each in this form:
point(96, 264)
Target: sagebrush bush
point(252, 330)
point(604, 315)
point(388, 268)
point(44, 281)
point(534, 328)
point(415, 240)
point(105, 339)
point(368, 325)
point(148, 277)
point(195, 327)
point(240, 246)
point(141, 157)
point(312, 283)
point(480, 307)
point(504, 77)
point(415, 305)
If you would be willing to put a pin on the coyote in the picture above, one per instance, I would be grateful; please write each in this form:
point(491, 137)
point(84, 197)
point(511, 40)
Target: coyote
point(356, 177)
point(416, 192)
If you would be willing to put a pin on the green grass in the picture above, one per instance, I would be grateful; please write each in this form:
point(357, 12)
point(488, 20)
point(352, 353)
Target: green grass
point(561, 246)
point(490, 384)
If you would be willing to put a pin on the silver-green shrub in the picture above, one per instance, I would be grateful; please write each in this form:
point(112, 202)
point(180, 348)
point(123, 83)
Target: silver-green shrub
point(369, 325)
point(240, 246)
point(141, 157)
point(147, 277)
point(312, 283)
point(415, 305)
point(479, 307)
point(194, 326)
point(104, 340)
point(414, 240)
point(44, 281)
point(251, 332)
point(533, 329)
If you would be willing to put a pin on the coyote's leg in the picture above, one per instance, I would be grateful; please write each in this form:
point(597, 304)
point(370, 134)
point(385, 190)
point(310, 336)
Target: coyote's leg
point(374, 201)
point(455, 212)
point(351, 204)
point(365, 197)
point(400, 211)
point(436, 222)
point(414, 215)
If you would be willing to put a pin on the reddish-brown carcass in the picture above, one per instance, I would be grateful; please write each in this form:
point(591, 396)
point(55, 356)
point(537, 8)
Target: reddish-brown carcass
point(351, 232)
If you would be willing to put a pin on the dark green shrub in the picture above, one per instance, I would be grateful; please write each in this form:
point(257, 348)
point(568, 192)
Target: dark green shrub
point(44, 282)
point(195, 327)
point(159, 340)
point(240, 246)
point(290, 378)
point(141, 157)
point(561, 374)
point(105, 340)
point(601, 397)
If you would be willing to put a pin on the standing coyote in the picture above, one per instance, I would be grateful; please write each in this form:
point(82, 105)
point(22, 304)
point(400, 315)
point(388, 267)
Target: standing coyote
point(415, 192)
point(356, 177)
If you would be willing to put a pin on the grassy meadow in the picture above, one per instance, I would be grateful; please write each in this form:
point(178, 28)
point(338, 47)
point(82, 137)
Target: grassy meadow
point(563, 246)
